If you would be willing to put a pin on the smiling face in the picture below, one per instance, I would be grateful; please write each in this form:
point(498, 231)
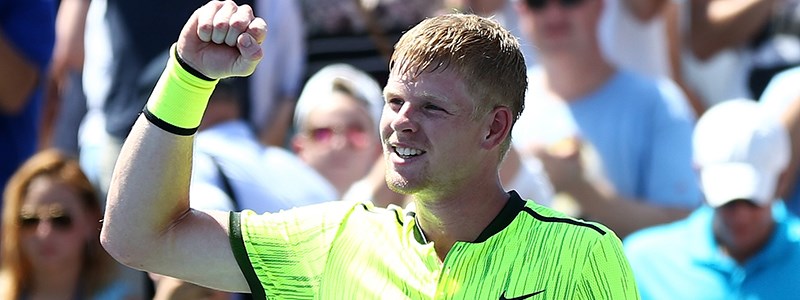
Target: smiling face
point(432, 142)
point(54, 226)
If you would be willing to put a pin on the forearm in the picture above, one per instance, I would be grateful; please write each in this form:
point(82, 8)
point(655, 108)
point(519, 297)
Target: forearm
point(624, 216)
point(18, 78)
point(645, 10)
point(70, 25)
point(720, 24)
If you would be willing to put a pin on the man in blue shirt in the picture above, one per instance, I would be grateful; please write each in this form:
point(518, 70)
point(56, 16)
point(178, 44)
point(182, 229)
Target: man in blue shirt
point(743, 244)
point(616, 143)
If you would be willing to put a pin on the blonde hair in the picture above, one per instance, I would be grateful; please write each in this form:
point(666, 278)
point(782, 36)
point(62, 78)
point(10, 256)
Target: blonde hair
point(480, 50)
point(14, 266)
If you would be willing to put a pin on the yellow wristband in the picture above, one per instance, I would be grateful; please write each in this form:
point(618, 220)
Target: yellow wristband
point(180, 98)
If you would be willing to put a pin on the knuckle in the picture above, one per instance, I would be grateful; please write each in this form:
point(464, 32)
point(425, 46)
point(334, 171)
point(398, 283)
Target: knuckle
point(221, 25)
point(205, 27)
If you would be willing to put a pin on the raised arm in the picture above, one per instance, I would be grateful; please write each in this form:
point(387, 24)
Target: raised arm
point(148, 223)
point(720, 24)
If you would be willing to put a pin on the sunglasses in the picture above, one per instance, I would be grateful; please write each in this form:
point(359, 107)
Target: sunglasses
point(59, 222)
point(541, 4)
point(354, 134)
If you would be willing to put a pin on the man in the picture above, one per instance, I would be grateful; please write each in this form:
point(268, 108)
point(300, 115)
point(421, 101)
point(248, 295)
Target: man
point(456, 85)
point(617, 143)
point(744, 244)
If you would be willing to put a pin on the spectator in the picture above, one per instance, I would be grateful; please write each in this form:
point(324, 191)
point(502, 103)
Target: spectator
point(616, 143)
point(51, 247)
point(337, 124)
point(743, 244)
point(24, 58)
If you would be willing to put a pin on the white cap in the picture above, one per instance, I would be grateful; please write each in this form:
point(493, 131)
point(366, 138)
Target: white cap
point(322, 84)
point(741, 152)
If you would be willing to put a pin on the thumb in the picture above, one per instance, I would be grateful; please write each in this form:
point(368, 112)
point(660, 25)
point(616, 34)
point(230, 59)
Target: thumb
point(250, 54)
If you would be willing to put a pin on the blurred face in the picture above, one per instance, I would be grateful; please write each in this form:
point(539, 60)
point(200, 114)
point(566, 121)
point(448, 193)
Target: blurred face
point(54, 227)
point(557, 26)
point(339, 140)
point(431, 142)
point(742, 226)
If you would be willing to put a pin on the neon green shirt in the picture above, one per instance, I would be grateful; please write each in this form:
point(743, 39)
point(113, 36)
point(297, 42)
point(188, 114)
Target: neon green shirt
point(342, 250)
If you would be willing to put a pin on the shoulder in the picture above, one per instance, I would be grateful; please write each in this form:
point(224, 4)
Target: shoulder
point(326, 212)
point(541, 222)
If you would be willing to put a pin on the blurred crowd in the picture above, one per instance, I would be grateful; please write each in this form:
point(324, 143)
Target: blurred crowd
point(676, 123)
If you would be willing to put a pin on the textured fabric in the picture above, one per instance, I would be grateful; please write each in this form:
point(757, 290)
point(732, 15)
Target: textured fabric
point(183, 101)
point(683, 261)
point(355, 251)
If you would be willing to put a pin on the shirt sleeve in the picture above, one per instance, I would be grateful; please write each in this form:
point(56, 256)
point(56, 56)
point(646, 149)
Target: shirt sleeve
point(607, 273)
point(285, 253)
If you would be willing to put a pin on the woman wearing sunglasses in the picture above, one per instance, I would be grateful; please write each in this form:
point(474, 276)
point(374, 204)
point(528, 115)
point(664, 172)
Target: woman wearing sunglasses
point(50, 235)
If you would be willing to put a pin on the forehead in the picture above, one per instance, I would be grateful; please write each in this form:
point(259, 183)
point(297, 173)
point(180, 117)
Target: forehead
point(45, 192)
point(437, 86)
point(341, 107)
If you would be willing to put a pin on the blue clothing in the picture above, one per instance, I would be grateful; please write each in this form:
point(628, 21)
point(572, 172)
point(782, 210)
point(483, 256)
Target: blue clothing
point(29, 27)
point(781, 92)
point(682, 260)
point(640, 128)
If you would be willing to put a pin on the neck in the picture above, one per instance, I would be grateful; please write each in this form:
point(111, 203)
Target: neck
point(574, 75)
point(58, 283)
point(459, 217)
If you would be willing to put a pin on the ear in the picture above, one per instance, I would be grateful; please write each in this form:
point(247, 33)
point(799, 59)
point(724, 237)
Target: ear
point(498, 127)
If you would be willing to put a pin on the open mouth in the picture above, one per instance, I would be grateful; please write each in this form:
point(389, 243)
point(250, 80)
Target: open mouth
point(407, 152)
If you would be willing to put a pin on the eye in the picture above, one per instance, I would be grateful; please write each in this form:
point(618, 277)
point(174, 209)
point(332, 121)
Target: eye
point(435, 107)
point(395, 103)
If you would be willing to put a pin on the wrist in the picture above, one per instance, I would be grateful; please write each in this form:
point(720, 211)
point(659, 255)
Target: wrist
point(180, 97)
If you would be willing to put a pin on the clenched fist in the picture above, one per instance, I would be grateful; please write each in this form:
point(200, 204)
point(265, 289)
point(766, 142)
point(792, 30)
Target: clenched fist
point(222, 39)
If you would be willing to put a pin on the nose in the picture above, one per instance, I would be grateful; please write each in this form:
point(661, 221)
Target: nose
point(339, 140)
point(403, 119)
point(44, 229)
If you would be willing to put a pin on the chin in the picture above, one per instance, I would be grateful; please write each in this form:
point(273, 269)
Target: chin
point(400, 185)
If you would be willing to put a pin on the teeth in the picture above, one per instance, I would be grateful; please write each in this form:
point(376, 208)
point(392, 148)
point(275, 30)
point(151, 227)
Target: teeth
point(408, 151)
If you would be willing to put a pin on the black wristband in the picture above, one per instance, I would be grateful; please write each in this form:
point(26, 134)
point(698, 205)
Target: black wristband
point(189, 68)
point(167, 126)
